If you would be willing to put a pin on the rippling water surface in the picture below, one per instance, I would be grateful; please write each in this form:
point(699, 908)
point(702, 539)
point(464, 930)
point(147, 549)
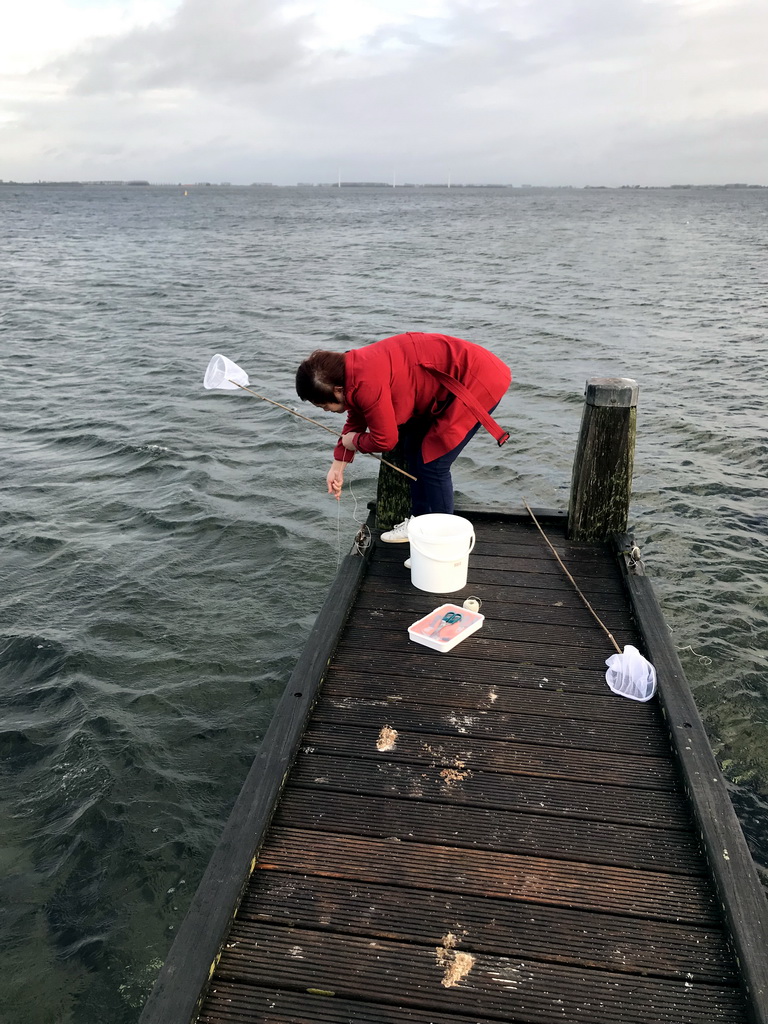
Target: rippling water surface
point(163, 550)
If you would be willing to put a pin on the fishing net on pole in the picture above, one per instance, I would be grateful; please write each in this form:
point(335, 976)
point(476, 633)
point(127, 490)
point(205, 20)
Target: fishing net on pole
point(629, 673)
point(224, 375)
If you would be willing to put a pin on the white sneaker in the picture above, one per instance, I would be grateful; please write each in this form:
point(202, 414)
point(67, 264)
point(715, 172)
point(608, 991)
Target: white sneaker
point(398, 534)
point(407, 563)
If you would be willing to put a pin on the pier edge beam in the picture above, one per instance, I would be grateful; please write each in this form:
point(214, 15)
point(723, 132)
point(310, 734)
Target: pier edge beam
point(602, 468)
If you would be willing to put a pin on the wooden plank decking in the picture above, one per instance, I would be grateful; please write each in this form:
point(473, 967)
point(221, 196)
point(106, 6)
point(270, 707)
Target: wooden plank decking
point(485, 835)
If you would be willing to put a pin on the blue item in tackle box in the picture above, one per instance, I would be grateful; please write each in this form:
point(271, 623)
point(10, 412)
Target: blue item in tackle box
point(445, 627)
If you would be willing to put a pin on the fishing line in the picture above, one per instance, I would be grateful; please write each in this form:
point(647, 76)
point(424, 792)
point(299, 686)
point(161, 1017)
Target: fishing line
point(702, 657)
point(363, 538)
point(338, 533)
point(636, 561)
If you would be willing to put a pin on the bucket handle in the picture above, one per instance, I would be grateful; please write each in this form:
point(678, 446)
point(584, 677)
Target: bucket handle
point(443, 539)
point(437, 558)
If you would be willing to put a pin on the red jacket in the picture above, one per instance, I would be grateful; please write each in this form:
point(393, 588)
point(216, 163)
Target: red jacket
point(388, 382)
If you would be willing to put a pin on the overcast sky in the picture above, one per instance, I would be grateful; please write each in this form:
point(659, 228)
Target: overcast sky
point(521, 91)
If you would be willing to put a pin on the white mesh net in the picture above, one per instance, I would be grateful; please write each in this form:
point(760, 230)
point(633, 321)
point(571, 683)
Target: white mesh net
point(221, 374)
point(630, 675)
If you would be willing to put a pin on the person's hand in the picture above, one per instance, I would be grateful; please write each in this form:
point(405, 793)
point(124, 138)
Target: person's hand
point(335, 479)
point(349, 440)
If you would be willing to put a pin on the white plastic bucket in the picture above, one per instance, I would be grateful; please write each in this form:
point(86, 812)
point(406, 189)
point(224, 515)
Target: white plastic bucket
point(440, 547)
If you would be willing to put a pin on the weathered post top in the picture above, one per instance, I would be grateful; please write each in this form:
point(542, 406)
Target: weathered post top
point(611, 392)
point(602, 470)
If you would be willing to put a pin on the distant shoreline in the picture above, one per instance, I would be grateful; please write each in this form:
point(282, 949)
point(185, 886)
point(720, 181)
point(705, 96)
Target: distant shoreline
point(366, 184)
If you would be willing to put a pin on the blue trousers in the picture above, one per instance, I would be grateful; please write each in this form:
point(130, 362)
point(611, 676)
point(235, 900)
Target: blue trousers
point(432, 491)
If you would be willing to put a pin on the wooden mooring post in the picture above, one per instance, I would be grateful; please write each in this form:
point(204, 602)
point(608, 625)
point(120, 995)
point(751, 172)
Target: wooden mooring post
point(602, 469)
point(393, 492)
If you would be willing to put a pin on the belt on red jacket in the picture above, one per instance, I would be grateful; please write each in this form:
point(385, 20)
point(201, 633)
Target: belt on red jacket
point(465, 395)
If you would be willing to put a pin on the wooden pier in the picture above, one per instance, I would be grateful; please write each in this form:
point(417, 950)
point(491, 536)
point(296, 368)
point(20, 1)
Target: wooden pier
point(485, 835)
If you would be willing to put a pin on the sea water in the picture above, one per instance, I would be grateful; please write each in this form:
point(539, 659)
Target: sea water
point(164, 550)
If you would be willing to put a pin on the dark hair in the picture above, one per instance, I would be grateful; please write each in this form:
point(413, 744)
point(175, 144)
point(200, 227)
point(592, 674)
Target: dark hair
point(318, 375)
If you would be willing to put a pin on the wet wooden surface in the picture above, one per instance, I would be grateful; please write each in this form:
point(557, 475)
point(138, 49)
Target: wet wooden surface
point(484, 835)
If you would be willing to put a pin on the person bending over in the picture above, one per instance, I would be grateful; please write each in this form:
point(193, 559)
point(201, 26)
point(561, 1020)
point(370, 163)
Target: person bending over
point(430, 391)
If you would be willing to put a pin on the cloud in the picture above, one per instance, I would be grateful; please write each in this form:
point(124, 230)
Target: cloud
point(571, 91)
point(201, 46)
